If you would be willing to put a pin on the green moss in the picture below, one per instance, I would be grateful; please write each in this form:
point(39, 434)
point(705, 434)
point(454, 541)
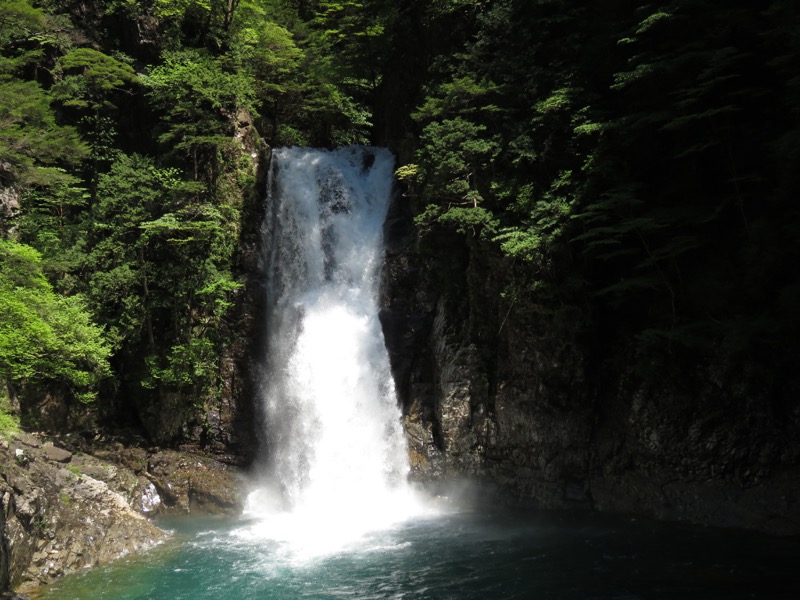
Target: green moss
point(9, 423)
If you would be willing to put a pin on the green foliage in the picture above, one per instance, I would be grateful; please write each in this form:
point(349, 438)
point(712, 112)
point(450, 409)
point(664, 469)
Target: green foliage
point(149, 285)
point(343, 46)
point(52, 221)
point(457, 154)
point(468, 220)
point(185, 365)
point(87, 79)
point(461, 96)
point(349, 32)
point(31, 141)
point(664, 229)
point(493, 136)
point(270, 53)
point(19, 20)
point(45, 337)
point(201, 23)
point(27, 36)
point(176, 8)
point(197, 96)
point(621, 147)
point(197, 82)
point(9, 423)
point(407, 173)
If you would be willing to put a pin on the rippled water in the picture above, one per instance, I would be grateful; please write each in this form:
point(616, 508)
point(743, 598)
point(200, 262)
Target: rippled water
point(473, 555)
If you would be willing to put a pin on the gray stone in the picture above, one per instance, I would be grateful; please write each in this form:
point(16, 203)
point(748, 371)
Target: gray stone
point(56, 522)
point(57, 454)
point(28, 440)
point(191, 483)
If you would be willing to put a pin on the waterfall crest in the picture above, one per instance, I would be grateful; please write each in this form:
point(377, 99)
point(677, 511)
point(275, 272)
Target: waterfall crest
point(335, 449)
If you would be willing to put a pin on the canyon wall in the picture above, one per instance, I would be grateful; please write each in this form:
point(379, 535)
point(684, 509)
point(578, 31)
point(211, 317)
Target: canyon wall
point(517, 395)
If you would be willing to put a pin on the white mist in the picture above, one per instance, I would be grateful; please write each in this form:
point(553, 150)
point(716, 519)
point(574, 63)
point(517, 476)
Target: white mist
point(336, 455)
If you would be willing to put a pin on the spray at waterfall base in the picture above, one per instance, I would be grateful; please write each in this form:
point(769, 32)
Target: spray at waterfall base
point(335, 461)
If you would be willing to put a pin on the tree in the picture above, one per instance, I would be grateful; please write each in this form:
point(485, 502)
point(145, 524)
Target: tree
point(676, 181)
point(45, 337)
point(199, 98)
point(19, 21)
point(31, 141)
point(159, 257)
point(87, 82)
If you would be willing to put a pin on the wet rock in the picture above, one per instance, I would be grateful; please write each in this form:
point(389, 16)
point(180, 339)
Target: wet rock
point(190, 483)
point(460, 401)
point(9, 204)
point(101, 472)
point(133, 458)
point(426, 460)
point(151, 500)
point(27, 439)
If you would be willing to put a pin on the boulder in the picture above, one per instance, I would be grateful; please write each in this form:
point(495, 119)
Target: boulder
point(193, 483)
point(57, 454)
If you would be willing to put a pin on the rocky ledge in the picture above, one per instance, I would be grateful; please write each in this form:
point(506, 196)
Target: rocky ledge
point(64, 508)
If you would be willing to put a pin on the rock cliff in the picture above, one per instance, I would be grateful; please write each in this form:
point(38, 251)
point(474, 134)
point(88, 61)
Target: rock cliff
point(513, 392)
point(66, 510)
point(58, 519)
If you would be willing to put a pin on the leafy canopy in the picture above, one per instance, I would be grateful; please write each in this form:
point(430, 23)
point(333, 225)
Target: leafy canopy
point(45, 337)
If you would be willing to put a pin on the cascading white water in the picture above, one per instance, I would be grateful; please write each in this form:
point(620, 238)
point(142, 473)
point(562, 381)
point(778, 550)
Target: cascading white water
point(335, 446)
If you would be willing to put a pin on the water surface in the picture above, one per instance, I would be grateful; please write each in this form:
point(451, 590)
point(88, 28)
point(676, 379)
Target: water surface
point(461, 556)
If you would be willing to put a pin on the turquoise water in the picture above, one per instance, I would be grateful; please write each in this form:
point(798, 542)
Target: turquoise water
point(473, 555)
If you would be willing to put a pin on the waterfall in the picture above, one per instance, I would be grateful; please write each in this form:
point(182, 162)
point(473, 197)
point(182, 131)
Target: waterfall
point(335, 448)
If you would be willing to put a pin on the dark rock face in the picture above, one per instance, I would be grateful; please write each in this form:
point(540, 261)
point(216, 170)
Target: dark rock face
point(5, 552)
point(56, 454)
point(698, 449)
point(508, 392)
point(226, 424)
point(194, 484)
